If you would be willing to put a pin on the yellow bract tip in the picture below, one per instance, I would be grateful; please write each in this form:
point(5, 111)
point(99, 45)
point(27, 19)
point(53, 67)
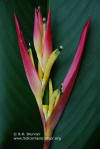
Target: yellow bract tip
point(45, 110)
point(31, 56)
point(57, 99)
point(52, 101)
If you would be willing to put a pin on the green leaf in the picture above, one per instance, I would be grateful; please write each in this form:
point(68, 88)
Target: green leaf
point(79, 126)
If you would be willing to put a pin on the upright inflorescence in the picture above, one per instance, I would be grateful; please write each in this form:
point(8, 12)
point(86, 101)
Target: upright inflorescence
point(39, 77)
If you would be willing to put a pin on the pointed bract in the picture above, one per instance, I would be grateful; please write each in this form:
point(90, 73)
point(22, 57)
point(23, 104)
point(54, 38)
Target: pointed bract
point(76, 61)
point(37, 39)
point(30, 70)
point(40, 22)
point(69, 80)
point(47, 41)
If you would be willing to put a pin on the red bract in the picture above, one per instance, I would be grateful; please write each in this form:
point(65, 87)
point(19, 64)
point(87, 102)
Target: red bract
point(30, 70)
point(69, 80)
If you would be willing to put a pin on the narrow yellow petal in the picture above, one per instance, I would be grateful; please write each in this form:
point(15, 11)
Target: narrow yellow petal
point(31, 56)
point(50, 88)
point(45, 110)
point(49, 65)
point(57, 99)
point(52, 101)
point(40, 72)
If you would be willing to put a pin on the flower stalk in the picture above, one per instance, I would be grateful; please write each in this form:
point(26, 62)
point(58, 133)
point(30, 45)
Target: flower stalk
point(38, 77)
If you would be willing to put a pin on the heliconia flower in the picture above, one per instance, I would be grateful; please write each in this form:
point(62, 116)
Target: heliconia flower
point(30, 69)
point(51, 113)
